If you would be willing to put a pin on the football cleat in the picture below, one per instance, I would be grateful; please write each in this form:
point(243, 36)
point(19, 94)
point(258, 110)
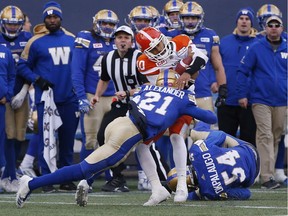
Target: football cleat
point(144, 184)
point(81, 195)
point(10, 186)
point(158, 197)
point(181, 195)
point(23, 192)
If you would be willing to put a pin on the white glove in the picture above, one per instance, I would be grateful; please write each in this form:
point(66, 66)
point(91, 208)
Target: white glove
point(17, 101)
point(30, 124)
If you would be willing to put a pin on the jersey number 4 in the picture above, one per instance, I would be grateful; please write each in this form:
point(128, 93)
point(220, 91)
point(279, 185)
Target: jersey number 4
point(229, 158)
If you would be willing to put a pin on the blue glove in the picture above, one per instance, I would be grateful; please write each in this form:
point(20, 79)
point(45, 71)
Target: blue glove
point(84, 106)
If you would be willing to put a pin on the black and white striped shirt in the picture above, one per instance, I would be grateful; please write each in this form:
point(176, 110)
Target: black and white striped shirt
point(122, 71)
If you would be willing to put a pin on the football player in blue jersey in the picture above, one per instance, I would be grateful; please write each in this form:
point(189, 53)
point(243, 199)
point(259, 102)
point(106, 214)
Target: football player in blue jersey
point(89, 49)
point(222, 166)
point(172, 25)
point(7, 80)
point(12, 36)
point(139, 18)
point(206, 40)
point(46, 62)
point(151, 112)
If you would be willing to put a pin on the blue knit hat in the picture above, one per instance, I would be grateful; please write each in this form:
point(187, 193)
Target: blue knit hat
point(52, 8)
point(247, 12)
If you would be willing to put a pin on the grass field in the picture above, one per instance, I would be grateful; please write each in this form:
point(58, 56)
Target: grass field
point(262, 202)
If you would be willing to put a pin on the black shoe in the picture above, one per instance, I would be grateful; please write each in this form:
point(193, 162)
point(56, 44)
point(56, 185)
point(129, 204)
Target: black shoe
point(69, 187)
point(48, 189)
point(271, 184)
point(117, 184)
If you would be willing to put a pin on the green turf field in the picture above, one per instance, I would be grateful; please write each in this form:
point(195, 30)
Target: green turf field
point(262, 202)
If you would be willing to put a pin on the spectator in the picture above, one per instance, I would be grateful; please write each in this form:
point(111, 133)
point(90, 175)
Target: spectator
point(265, 63)
point(232, 48)
point(46, 62)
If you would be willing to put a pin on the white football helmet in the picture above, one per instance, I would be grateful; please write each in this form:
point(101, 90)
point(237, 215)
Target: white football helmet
point(265, 12)
point(192, 9)
point(149, 38)
point(105, 16)
point(12, 21)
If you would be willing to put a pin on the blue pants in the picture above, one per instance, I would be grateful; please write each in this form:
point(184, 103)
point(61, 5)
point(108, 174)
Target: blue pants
point(2, 135)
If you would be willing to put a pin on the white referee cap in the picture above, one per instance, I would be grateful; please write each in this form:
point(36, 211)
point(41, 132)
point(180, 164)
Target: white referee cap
point(126, 29)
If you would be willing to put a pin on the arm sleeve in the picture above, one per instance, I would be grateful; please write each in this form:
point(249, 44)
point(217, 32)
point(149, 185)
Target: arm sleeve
point(243, 72)
point(78, 68)
point(25, 64)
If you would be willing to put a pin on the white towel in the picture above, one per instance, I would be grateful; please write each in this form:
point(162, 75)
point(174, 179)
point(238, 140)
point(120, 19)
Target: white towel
point(51, 122)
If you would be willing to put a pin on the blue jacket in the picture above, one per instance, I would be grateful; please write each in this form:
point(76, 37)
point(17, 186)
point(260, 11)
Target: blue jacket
point(232, 49)
point(7, 73)
point(48, 55)
point(267, 70)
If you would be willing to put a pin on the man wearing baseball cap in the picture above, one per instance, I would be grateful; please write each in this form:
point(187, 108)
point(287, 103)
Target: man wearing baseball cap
point(265, 64)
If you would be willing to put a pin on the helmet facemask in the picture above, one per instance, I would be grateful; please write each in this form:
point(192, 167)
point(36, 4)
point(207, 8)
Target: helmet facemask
point(167, 78)
point(164, 54)
point(105, 16)
point(12, 21)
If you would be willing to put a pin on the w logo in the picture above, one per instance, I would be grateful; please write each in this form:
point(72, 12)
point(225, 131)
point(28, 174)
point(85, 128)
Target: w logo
point(50, 12)
point(284, 55)
point(60, 53)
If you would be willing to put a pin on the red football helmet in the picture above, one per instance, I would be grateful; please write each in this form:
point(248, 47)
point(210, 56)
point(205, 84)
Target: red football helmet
point(149, 38)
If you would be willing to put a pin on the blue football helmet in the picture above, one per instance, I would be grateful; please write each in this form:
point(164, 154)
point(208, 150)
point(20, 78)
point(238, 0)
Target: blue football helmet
point(12, 21)
point(192, 9)
point(140, 13)
point(265, 12)
point(105, 16)
point(170, 7)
